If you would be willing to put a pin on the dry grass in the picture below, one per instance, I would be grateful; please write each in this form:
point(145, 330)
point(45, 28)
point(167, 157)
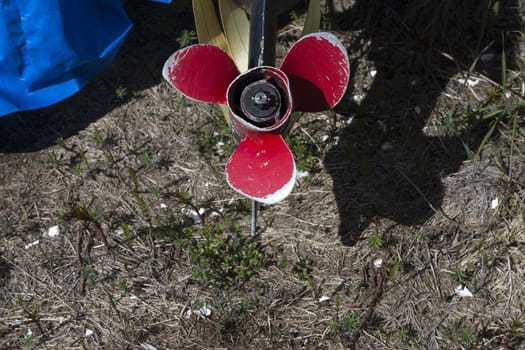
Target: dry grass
point(432, 224)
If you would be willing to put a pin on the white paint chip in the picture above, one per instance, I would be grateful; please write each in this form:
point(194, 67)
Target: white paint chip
point(357, 98)
point(32, 244)
point(463, 291)
point(470, 82)
point(324, 298)
point(205, 311)
point(301, 174)
point(378, 263)
point(53, 231)
point(148, 346)
point(193, 214)
point(494, 203)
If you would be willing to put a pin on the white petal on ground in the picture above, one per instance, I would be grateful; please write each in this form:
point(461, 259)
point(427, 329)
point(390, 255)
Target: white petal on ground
point(148, 346)
point(373, 73)
point(470, 82)
point(494, 203)
point(88, 332)
point(378, 263)
point(193, 214)
point(301, 174)
point(53, 231)
point(205, 311)
point(163, 206)
point(324, 298)
point(357, 98)
point(463, 291)
point(32, 244)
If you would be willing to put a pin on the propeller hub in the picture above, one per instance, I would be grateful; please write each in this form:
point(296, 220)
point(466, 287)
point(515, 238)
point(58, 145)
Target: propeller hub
point(261, 102)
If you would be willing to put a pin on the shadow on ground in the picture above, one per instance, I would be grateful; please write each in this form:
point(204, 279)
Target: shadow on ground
point(384, 164)
point(137, 67)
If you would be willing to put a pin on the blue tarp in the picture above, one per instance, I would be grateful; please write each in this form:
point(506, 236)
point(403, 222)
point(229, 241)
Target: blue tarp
point(49, 49)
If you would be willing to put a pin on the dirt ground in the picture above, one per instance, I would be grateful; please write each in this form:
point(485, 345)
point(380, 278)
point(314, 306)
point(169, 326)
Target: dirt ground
point(118, 230)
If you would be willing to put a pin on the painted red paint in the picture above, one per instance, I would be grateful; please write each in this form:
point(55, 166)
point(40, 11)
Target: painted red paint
point(201, 72)
point(318, 69)
point(262, 168)
point(312, 77)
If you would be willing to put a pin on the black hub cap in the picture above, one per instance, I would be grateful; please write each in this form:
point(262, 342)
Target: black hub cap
point(261, 103)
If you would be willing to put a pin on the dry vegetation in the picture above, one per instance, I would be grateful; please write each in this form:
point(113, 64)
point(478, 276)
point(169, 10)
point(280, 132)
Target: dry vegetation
point(406, 199)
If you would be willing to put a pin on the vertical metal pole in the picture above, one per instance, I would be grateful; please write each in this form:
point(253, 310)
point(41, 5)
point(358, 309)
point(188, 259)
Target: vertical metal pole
point(253, 221)
point(263, 30)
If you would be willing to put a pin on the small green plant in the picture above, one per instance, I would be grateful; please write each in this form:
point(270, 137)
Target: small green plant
point(217, 141)
point(376, 241)
point(422, 236)
point(305, 152)
point(245, 304)
point(87, 272)
point(29, 341)
point(6, 224)
point(397, 266)
point(156, 191)
point(76, 169)
point(303, 268)
point(225, 261)
point(467, 336)
point(52, 160)
point(402, 335)
point(121, 92)
point(186, 38)
point(145, 159)
point(346, 324)
point(123, 285)
point(100, 142)
point(459, 274)
point(294, 17)
point(350, 323)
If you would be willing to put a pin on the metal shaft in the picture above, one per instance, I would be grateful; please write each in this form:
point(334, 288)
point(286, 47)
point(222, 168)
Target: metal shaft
point(263, 29)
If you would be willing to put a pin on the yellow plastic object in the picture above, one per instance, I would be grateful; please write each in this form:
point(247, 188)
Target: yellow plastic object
point(209, 30)
point(237, 31)
point(313, 17)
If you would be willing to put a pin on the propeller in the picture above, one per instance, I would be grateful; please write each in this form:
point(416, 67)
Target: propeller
point(312, 77)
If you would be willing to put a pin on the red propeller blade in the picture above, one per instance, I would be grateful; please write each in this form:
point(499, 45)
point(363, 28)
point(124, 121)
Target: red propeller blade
point(262, 168)
point(201, 72)
point(318, 69)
